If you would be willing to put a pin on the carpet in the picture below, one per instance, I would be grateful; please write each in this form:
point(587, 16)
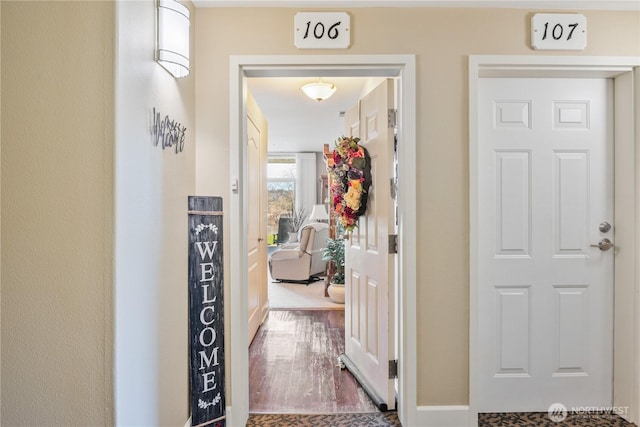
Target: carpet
point(541, 419)
point(283, 296)
point(384, 419)
point(374, 419)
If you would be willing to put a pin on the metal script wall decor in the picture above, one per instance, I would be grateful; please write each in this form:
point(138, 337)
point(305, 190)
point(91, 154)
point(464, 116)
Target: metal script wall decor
point(170, 132)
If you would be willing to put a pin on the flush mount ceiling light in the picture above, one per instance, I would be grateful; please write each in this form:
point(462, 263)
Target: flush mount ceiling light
point(173, 37)
point(319, 90)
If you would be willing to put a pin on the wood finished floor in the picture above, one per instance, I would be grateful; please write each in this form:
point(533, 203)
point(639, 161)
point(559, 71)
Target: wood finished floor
point(293, 366)
point(293, 370)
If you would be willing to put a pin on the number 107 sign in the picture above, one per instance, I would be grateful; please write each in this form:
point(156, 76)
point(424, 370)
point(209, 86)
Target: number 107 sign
point(558, 31)
point(322, 30)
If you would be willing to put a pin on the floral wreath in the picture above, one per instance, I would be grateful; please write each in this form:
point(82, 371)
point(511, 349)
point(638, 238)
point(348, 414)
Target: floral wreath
point(350, 181)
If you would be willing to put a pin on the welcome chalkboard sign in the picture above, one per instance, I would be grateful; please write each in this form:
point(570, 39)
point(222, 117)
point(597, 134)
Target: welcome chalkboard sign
point(206, 310)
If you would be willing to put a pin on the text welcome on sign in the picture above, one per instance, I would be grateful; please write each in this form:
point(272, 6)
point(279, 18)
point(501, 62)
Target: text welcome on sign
point(206, 323)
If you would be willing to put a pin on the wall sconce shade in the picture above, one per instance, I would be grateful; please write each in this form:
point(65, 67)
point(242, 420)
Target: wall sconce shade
point(319, 90)
point(318, 213)
point(173, 37)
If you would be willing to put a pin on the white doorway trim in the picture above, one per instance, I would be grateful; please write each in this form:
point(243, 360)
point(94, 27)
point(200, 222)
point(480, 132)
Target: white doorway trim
point(626, 75)
point(402, 66)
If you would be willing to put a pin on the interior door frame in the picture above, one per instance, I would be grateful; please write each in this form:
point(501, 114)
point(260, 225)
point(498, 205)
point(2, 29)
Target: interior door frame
point(626, 74)
point(400, 66)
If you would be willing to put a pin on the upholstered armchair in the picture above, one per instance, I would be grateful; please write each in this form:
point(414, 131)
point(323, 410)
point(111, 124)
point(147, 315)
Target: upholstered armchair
point(300, 261)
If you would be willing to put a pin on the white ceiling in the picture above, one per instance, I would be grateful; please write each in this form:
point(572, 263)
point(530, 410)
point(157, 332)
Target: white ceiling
point(297, 123)
point(527, 4)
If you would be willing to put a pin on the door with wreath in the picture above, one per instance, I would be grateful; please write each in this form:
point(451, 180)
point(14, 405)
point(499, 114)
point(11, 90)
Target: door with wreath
point(369, 268)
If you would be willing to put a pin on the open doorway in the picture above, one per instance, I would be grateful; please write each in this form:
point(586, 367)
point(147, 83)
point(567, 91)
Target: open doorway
point(404, 310)
point(305, 324)
point(301, 135)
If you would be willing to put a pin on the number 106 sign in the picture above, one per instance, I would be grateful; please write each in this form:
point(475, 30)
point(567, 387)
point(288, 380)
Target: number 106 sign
point(558, 31)
point(322, 30)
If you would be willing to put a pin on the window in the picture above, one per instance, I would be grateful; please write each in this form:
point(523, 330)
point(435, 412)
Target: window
point(281, 193)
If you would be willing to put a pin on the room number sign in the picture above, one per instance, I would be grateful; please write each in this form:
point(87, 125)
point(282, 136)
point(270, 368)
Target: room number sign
point(322, 30)
point(558, 31)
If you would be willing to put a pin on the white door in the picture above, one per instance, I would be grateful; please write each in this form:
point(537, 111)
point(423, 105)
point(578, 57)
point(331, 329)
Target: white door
point(545, 295)
point(369, 338)
point(256, 216)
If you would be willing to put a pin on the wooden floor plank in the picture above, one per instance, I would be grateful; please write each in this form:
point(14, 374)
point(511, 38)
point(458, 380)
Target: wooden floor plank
point(293, 366)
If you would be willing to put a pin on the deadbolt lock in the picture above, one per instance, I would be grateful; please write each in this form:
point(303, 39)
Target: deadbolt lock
point(604, 227)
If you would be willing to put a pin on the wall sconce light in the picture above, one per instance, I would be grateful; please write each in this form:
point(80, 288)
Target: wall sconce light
point(319, 90)
point(173, 37)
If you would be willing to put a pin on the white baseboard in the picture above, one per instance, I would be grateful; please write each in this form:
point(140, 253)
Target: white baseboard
point(188, 423)
point(443, 416)
point(228, 412)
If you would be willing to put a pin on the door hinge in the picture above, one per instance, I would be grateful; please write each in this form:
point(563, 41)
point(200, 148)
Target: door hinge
point(393, 243)
point(392, 115)
point(393, 369)
point(393, 188)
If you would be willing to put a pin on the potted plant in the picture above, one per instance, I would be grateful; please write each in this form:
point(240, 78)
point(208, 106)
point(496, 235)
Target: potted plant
point(296, 219)
point(334, 253)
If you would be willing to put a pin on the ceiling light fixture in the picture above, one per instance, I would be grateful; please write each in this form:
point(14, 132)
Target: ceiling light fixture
point(173, 37)
point(319, 90)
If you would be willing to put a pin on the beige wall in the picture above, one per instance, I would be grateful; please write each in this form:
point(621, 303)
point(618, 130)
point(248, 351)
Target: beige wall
point(57, 189)
point(0, 218)
point(64, 183)
point(89, 338)
point(441, 39)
